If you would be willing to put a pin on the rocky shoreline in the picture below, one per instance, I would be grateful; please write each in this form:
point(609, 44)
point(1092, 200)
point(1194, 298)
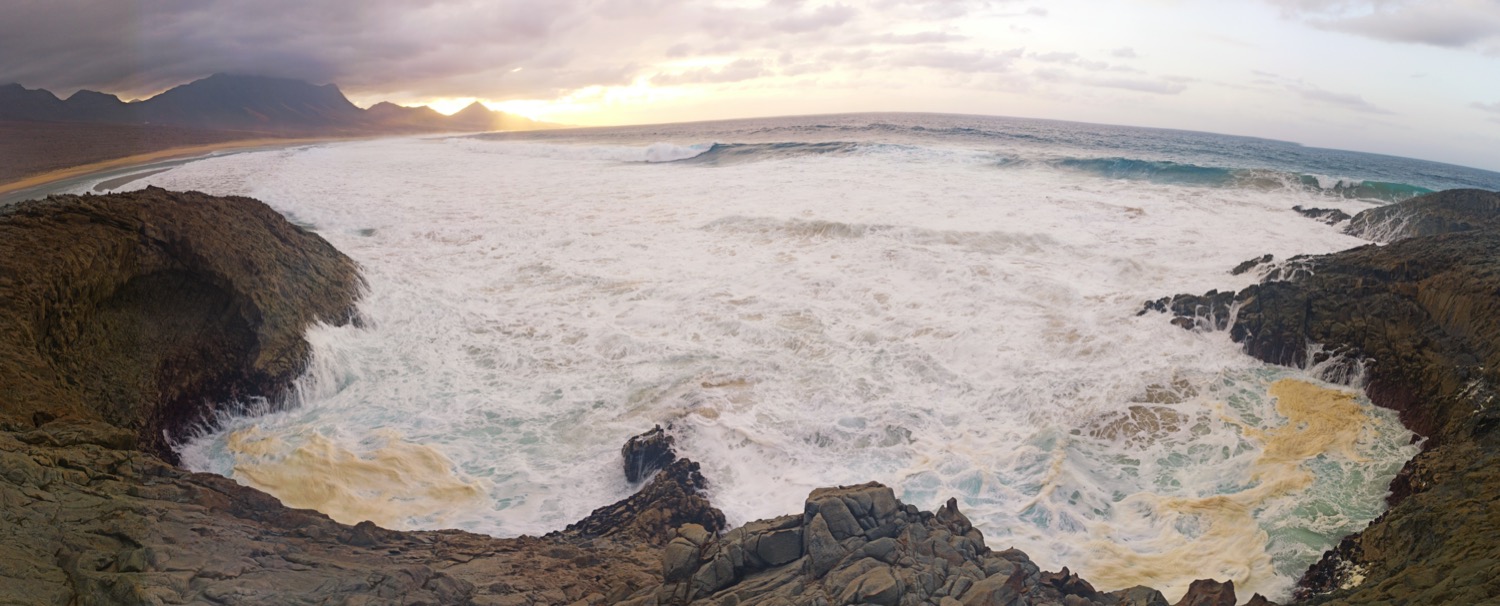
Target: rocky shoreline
point(126, 317)
point(1421, 317)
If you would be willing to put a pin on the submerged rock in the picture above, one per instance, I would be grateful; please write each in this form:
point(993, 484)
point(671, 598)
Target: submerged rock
point(148, 309)
point(1422, 316)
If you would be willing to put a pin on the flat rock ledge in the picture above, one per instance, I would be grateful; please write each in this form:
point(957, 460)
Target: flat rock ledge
point(125, 318)
point(1421, 315)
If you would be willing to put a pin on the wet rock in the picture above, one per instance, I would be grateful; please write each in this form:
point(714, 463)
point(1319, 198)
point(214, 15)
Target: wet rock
point(673, 498)
point(646, 453)
point(1422, 316)
point(138, 308)
point(1331, 216)
point(1252, 264)
point(1445, 212)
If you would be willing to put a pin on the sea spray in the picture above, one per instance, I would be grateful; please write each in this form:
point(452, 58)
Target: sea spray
point(907, 314)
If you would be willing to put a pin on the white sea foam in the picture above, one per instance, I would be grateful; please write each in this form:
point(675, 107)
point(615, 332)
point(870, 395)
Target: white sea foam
point(917, 318)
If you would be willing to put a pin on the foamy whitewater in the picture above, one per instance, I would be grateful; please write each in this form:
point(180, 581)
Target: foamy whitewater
point(943, 304)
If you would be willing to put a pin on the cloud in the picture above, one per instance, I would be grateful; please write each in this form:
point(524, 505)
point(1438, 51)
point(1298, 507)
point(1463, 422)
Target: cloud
point(1469, 24)
point(962, 61)
point(1123, 53)
point(1071, 59)
point(913, 38)
point(1158, 86)
point(1344, 100)
point(738, 71)
point(832, 15)
point(397, 48)
point(1493, 108)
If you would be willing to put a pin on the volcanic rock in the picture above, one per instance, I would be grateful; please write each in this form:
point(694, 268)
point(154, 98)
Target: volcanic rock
point(1422, 316)
point(1331, 216)
point(646, 453)
point(1251, 264)
point(148, 310)
point(1208, 592)
point(860, 545)
point(1444, 212)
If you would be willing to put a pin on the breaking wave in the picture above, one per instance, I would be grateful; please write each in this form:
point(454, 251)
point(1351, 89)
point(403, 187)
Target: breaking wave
point(1176, 173)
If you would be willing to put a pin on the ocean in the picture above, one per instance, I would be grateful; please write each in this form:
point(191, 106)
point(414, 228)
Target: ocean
point(945, 304)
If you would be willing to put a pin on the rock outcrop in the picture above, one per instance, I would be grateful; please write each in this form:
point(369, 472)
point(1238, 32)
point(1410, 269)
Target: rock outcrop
point(1331, 216)
point(1444, 212)
point(1422, 315)
point(137, 309)
point(124, 318)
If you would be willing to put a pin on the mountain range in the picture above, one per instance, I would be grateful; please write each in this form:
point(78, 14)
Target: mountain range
point(260, 104)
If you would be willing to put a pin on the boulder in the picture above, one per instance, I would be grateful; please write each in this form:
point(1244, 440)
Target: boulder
point(646, 453)
point(1208, 592)
point(154, 310)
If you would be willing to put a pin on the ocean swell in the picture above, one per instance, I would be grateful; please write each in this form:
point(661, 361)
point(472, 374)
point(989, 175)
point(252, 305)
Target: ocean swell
point(1177, 173)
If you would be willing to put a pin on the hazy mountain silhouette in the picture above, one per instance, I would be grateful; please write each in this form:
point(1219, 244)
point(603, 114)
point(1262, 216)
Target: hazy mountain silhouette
point(19, 103)
point(254, 104)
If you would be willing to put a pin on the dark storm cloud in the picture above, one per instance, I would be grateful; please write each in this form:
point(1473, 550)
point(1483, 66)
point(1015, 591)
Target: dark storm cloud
point(424, 47)
point(144, 45)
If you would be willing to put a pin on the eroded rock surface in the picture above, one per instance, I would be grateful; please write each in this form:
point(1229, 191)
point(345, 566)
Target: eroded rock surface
point(138, 308)
point(1444, 212)
point(1423, 313)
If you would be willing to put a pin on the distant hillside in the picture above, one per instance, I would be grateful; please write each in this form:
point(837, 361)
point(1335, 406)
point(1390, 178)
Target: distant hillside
point(256, 104)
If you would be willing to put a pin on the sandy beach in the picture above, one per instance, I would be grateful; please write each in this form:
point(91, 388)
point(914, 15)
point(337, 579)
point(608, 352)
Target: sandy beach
point(143, 160)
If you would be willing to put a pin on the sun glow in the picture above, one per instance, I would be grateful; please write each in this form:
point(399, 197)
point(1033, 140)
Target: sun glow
point(597, 105)
point(450, 105)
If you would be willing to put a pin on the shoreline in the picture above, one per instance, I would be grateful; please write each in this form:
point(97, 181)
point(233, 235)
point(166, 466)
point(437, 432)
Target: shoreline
point(42, 184)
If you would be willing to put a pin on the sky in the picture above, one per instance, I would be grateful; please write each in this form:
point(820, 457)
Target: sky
point(1408, 78)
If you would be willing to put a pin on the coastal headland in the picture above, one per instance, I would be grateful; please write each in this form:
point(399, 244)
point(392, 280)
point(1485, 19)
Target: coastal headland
point(128, 318)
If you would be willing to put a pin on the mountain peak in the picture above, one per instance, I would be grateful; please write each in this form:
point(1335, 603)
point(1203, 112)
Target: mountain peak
point(473, 108)
point(84, 94)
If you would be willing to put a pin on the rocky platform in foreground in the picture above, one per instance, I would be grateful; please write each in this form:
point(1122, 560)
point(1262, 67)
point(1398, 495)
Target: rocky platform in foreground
point(1423, 315)
point(127, 317)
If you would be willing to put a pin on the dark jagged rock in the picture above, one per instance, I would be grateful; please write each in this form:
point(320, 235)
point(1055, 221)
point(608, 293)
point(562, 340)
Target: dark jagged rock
point(1444, 212)
point(1331, 216)
point(1251, 264)
point(1139, 596)
point(147, 309)
point(1208, 592)
point(1423, 315)
point(860, 545)
point(1259, 600)
point(673, 498)
point(646, 453)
